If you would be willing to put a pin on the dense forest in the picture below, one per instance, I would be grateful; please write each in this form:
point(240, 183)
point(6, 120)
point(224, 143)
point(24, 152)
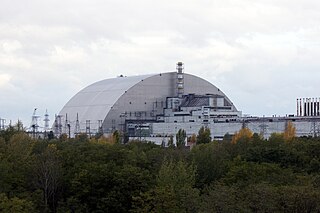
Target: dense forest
point(241, 173)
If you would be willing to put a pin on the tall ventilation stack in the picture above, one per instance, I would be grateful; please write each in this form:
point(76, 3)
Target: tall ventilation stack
point(180, 79)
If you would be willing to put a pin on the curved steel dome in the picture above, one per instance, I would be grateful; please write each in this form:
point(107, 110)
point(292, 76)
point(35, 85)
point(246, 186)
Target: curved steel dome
point(104, 105)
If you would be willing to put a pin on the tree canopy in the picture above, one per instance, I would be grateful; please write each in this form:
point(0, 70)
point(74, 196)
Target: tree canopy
point(101, 174)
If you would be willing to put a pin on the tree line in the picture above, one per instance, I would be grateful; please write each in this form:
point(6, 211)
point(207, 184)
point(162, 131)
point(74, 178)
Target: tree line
point(241, 173)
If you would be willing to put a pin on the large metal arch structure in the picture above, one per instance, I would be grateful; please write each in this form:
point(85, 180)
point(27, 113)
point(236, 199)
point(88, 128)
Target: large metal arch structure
point(106, 104)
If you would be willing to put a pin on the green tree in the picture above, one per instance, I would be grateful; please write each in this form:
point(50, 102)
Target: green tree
point(117, 137)
point(299, 199)
point(276, 138)
point(243, 173)
point(47, 173)
point(15, 205)
point(222, 198)
point(227, 137)
point(181, 138)
point(204, 135)
point(170, 142)
point(211, 161)
point(261, 198)
point(175, 190)
point(12, 130)
point(15, 164)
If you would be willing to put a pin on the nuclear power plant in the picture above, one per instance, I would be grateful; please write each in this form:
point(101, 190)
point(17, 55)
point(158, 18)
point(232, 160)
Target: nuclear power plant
point(156, 106)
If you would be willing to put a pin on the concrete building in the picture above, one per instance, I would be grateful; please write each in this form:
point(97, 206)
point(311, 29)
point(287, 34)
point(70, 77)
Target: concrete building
point(157, 106)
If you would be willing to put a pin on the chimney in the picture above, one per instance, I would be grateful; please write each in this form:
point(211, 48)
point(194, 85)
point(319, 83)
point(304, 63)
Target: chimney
point(180, 79)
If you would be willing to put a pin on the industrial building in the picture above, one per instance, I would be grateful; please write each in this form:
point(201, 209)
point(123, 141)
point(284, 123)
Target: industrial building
point(157, 106)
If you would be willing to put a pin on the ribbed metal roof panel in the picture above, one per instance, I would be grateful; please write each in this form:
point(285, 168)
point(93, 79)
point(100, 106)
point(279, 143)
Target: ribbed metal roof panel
point(95, 101)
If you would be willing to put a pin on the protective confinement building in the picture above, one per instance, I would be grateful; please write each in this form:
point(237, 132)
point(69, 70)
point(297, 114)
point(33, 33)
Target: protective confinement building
point(131, 104)
point(157, 106)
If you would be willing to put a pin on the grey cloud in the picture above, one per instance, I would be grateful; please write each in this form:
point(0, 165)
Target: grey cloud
point(253, 50)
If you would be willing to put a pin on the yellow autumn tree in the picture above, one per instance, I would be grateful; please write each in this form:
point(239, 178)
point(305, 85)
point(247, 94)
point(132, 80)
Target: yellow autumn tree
point(193, 139)
point(289, 132)
point(244, 133)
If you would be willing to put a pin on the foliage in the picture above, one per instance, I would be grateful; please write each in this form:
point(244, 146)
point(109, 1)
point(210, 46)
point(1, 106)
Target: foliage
point(174, 191)
point(181, 138)
point(227, 137)
point(116, 137)
point(221, 198)
point(11, 131)
point(204, 135)
point(212, 162)
point(16, 205)
point(193, 139)
point(244, 134)
point(170, 142)
point(289, 132)
point(98, 175)
point(47, 173)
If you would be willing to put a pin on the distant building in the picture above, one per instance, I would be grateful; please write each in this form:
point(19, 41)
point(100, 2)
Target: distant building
point(157, 106)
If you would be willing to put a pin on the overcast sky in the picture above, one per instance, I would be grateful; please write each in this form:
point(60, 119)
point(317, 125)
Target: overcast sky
point(262, 54)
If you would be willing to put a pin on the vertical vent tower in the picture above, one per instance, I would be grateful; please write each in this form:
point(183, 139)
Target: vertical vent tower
point(180, 79)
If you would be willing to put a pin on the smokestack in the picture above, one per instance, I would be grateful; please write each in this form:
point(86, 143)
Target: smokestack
point(311, 107)
point(297, 107)
point(300, 108)
point(318, 106)
point(304, 107)
point(314, 106)
point(180, 79)
point(308, 106)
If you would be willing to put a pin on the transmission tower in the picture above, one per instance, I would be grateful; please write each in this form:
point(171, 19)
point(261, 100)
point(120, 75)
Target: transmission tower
point(315, 130)
point(46, 121)
point(77, 128)
point(57, 125)
point(88, 127)
point(2, 122)
point(67, 126)
point(263, 129)
point(34, 123)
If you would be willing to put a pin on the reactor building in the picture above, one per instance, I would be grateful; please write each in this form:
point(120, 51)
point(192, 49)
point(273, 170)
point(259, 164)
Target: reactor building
point(157, 106)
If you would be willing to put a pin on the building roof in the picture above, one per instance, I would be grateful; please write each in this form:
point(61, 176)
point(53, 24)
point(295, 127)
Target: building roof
point(95, 101)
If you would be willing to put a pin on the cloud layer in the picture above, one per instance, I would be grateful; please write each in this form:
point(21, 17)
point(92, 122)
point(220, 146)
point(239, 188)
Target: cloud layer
point(263, 54)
